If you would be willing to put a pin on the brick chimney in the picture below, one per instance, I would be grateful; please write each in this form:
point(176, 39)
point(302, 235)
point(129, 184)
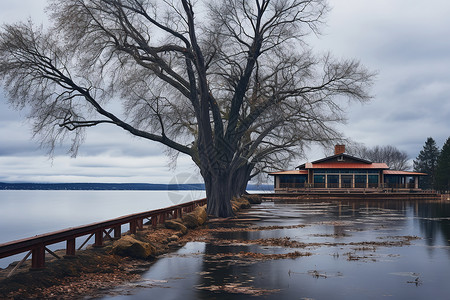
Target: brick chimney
point(339, 149)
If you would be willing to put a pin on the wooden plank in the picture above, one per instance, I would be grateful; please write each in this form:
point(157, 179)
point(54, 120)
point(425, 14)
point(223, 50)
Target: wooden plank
point(19, 264)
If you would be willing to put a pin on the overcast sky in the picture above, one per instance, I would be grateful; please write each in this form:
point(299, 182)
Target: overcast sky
point(405, 41)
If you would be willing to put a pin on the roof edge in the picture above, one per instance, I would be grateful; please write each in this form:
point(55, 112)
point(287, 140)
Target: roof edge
point(331, 157)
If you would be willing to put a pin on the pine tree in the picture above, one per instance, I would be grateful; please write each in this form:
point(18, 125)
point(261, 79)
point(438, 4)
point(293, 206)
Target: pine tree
point(426, 162)
point(443, 168)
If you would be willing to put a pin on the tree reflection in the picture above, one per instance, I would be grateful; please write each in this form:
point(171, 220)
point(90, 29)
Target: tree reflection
point(434, 220)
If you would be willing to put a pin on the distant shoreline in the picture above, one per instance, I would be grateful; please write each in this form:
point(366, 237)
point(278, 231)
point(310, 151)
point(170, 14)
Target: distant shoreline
point(115, 186)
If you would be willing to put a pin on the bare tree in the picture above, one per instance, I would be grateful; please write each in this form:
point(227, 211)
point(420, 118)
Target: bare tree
point(393, 157)
point(235, 86)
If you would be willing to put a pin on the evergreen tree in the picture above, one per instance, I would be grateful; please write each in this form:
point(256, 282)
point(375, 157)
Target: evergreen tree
point(426, 162)
point(443, 168)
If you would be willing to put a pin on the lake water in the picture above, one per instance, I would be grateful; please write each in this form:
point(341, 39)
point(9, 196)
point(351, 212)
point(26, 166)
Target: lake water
point(28, 213)
point(360, 250)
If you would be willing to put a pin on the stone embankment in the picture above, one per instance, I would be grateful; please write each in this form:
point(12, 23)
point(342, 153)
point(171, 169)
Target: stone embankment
point(95, 271)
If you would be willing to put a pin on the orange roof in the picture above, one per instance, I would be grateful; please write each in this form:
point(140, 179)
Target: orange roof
point(394, 172)
point(293, 172)
point(347, 166)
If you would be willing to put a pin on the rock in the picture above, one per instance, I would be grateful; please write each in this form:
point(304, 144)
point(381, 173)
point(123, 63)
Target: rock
point(174, 244)
point(195, 218)
point(131, 247)
point(175, 225)
point(179, 234)
point(200, 213)
point(240, 203)
point(190, 221)
point(174, 238)
point(253, 199)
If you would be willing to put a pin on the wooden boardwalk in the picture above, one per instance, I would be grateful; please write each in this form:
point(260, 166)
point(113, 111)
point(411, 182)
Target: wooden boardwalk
point(110, 229)
point(352, 195)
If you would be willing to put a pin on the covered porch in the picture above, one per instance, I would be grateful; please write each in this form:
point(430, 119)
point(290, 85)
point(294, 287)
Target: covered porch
point(401, 179)
point(364, 181)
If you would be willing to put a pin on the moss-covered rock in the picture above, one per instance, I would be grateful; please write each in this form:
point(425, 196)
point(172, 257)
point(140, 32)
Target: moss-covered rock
point(253, 199)
point(176, 225)
point(239, 203)
point(195, 218)
point(173, 238)
point(131, 247)
point(190, 221)
point(200, 213)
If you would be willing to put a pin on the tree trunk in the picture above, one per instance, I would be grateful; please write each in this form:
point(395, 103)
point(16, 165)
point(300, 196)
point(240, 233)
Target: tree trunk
point(240, 180)
point(222, 187)
point(219, 194)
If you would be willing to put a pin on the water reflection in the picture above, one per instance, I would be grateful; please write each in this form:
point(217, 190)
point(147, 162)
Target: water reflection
point(434, 221)
point(359, 250)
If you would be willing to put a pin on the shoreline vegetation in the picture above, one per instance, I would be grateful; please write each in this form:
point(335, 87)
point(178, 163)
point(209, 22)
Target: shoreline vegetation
point(96, 271)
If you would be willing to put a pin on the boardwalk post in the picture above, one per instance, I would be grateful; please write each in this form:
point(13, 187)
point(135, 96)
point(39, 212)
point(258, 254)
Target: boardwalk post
point(140, 224)
point(117, 232)
point(38, 257)
point(133, 226)
point(70, 248)
point(154, 221)
point(98, 238)
point(162, 218)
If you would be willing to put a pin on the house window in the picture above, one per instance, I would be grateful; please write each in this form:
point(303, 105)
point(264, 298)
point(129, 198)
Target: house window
point(347, 181)
point(333, 181)
point(373, 180)
point(360, 181)
point(319, 181)
point(292, 181)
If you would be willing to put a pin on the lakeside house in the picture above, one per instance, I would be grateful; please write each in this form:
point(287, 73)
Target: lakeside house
point(343, 171)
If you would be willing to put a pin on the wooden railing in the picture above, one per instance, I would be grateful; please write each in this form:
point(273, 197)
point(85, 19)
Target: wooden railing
point(399, 185)
point(37, 245)
point(345, 185)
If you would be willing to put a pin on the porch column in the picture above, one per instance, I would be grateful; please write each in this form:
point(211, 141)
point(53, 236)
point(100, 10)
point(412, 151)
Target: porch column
point(416, 182)
point(381, 180)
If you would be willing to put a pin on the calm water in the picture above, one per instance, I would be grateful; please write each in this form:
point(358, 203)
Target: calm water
point(28, 213)
point(355, 255)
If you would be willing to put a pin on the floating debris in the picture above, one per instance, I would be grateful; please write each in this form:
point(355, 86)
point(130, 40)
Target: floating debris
point(352, 256)
point(259, 256)
point(407, 238)
point(406, 274)
point(337, 235)
point(286, 242)
point(249, 228)
point(237, 288)
point(416, 281)
point(317, 274)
